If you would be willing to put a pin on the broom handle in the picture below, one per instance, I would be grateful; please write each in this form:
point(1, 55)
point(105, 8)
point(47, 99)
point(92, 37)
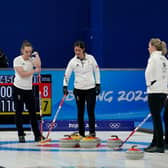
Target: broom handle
point(56, 115)
point(139, 125)
point(40, 105)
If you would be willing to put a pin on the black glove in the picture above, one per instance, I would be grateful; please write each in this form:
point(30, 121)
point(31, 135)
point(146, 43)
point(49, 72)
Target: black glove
point(97, 89)
point(65, 90)
point(153, 82)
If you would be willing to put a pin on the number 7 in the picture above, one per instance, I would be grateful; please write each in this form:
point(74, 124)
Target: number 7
point(45, 106)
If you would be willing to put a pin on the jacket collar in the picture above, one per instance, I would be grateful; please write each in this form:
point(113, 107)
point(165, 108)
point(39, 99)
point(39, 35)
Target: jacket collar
point(156, 53)
point(86, 57)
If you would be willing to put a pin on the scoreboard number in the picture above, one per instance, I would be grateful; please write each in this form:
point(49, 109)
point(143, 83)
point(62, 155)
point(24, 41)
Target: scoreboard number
point(5, 91)
point(46, 103)
point(7, 106)
point(45, 91)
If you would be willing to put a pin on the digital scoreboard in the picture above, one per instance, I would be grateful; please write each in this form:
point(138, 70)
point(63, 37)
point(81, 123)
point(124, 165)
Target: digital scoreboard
point(7, 107)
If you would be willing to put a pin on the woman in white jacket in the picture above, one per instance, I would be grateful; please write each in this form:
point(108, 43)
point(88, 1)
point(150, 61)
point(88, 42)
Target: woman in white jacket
point(86, 85)
point(156, 75)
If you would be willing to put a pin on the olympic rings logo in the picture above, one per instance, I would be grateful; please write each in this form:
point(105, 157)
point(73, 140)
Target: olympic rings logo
point(114, 125)
point(53, 125)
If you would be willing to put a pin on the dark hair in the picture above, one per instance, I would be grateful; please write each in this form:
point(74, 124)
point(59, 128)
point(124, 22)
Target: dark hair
point(80, 44)
point(26, 43)
point(3, 60)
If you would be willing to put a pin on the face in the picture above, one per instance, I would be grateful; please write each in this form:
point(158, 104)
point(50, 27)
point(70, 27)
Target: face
point(151, 48)
point(79, 52)
point(27, 51)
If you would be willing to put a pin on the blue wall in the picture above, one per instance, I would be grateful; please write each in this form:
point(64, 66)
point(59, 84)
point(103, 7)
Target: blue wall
point(117, 102)
point(51, 25)
point(116, 32)
point(127, 27)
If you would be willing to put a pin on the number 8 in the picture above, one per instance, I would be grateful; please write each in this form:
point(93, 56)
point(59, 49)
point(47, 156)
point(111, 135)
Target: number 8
point(45, 91)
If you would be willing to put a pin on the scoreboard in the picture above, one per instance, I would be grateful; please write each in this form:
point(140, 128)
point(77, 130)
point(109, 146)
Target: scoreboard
point(7, 107)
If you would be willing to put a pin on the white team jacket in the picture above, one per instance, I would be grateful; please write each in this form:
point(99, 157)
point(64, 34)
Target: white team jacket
point(86, 72)
point(156, 73)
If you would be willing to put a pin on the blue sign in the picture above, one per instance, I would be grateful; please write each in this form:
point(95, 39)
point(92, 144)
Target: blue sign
point(101, 125)
point(123, 98)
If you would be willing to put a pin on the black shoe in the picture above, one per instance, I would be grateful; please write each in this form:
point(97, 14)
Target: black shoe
point(92, 134)
point(155, 149)
point(82, 134)
point(39, 138)
point(22, 139)
point(150, 146)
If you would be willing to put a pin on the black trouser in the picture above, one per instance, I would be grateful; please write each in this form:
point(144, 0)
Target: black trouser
point(88, 96)
point(166, 121)
point(156, 104)
point(20, 97)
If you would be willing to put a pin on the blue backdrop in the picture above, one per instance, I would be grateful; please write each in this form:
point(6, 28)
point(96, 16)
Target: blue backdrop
point(116, 32)
point(123, 98)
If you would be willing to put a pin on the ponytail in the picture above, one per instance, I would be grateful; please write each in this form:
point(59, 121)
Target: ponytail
point(164, 48)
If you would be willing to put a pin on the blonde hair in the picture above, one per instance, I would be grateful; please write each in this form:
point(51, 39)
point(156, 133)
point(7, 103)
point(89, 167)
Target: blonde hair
point(159, 45)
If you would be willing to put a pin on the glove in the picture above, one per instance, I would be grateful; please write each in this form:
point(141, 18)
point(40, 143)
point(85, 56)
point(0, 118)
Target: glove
point(153, 82)
point(65, 90)
point(97, 89)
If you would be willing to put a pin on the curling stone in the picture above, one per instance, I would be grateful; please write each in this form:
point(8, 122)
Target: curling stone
point(88, 142)
point(68, 142)
point(114, 142)
point(96, 138)
point(134, 154)
point(75, 135)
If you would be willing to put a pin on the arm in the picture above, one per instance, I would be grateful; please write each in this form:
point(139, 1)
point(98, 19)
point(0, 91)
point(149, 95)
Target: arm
point(97, 76)
point(23, 73)
point(17, 64)
point(67, 74)
point(96, 71)
point(149, 72)
point(36, 60)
